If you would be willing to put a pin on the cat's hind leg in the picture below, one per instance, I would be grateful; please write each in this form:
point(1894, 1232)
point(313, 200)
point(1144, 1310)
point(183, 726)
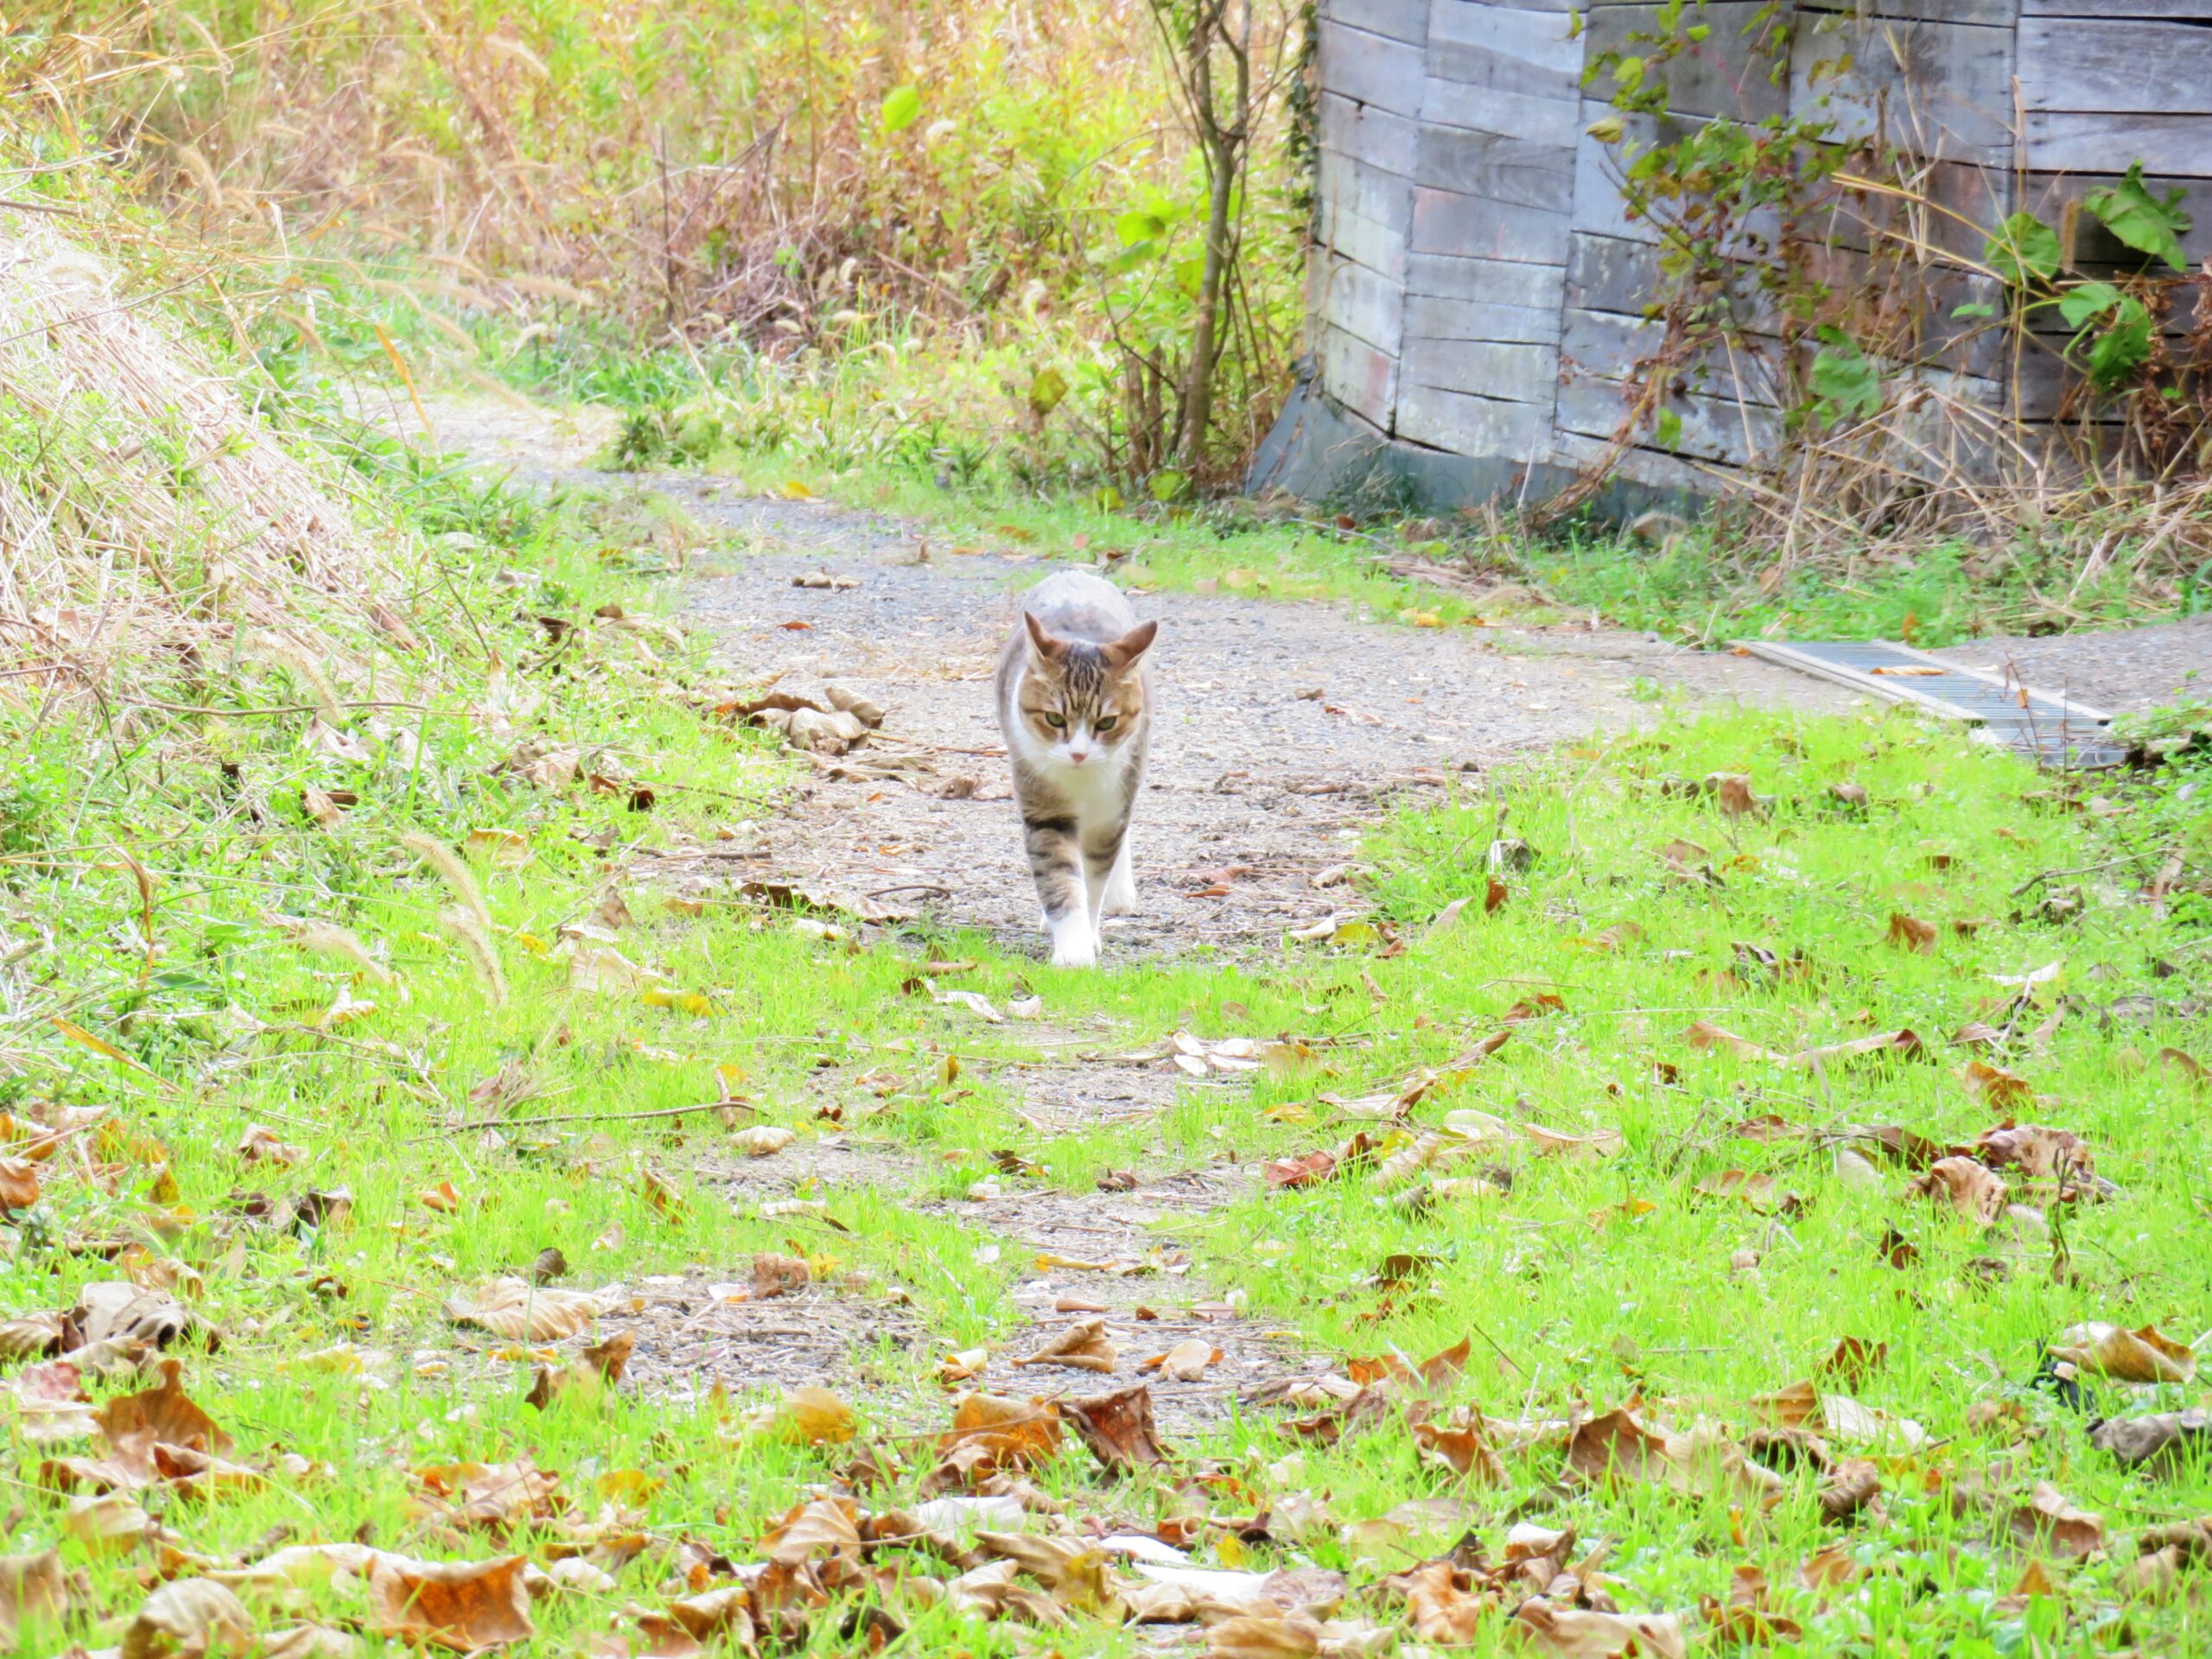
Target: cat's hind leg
point(1120, 898)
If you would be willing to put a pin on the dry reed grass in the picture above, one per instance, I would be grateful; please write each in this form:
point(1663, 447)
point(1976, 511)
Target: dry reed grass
point(145, 509)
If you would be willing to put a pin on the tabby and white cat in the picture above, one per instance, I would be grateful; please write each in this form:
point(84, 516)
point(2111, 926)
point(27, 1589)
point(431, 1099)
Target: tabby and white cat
point(1075, 702)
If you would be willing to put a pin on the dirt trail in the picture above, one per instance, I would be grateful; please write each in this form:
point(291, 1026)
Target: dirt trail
point(1283, 728)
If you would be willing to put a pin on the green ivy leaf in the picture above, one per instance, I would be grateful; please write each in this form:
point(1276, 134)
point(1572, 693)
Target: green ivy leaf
point(1667, 429)
point(2130, 212)
point(2023, 247)
point(1846, 380)
point(1167, 484)
point(1973, 309)
point(902, 108)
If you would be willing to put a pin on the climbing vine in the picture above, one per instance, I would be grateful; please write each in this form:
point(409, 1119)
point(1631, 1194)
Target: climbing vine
point(1845, 330)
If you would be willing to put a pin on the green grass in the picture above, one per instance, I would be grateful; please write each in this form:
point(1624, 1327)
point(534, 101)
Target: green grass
point(1698, 589)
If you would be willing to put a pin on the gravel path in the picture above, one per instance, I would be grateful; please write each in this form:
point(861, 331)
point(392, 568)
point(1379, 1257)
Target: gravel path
point(1283, 730)
point(2119, 671)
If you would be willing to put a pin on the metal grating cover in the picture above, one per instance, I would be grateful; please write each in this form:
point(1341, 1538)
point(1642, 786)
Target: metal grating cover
point(2049, 729)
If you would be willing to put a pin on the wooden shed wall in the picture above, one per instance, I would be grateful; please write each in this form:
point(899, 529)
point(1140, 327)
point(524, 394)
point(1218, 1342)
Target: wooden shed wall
point(1477, 288)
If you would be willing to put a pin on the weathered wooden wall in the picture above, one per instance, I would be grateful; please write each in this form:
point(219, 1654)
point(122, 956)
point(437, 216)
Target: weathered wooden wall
point(1477, 290)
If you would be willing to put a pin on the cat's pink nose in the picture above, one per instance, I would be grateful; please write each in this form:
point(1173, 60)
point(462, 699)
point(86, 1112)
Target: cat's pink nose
point(1077, 757)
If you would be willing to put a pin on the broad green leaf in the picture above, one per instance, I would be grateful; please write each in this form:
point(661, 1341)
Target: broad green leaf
point(1046, 391)
point(902, 108)
point(1167, 484)
point(2084, 302)
point(1844, 379)
point(1667, 429)
point(1135, 227)
point(2130, 212)
point(2022, 247)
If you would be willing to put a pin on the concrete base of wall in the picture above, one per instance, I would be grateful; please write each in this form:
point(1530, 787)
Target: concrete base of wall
point(1319, 451)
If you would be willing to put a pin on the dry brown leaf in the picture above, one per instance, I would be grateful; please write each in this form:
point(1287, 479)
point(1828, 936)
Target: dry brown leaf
point(34, 1335)
point(494, 1497)
point(2048, 1521)
point(2194, 1069)
point(1616, 1448)
point(1912, 934)
point(817, 1529)
point(33, 1589)
point(461, 1605)
point(19, 1186)
point(188, 1619)
point(1904, 1044)
point(1555, 1143)
point(1263, 1638)
point(2138, 1355)
point(1746, 1619)
point(1969, 1188)
point(1705, 1034)
point(1849, 1488)
point(2039, 1154)
point(107, 1524)
point(164, 1414)
point(2002, 1090)
point(1732, 793)
point(1186, 1361)
point(1117, 1429)
point(1571, 1632)
point(2164, 1442)
point(1854, 1360)
point(119, 1313)
point(1010, 1432)
point(262, 1145)
point(811, 1415)
point(763, 1139)
point(1083, 1347)
point(1459, 1442)
point(310, 1641)
point(514, 1308)
point(779, 1275)
point(1441, 1606)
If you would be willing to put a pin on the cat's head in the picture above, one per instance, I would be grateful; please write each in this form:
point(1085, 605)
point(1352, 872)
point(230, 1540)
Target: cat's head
point(1081, 702)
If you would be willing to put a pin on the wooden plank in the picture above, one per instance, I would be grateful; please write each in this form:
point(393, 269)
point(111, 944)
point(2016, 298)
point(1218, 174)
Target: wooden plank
point(1397, 20)
point(1430, 316)
point(2186, 11)
point(1357, 375)
point(1382, 249)
point(1653, 468)
point(1445, 222)
point(2124, 66)
point(1520, 371)
point(1537, 120)
point(2004, 13)
point(1606, 343)
point(1499, 47)
point(1945, 88)
point(1369, 135)
point(1363, 303)
point(2081, 141)
point(1370, 68)
point(1368, 191)
point(1485, 281)
point(1713, 428)
point(1466, 424)
point(1608, 273)
point(1721, 75)
point(1497, 168)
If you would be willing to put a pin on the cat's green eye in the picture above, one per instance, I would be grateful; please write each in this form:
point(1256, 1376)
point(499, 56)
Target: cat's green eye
point(1105, 723)
point(1058, 722)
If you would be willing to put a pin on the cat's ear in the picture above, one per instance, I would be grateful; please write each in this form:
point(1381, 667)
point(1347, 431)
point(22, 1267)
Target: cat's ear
point(1050, 647)
point(1121, 652)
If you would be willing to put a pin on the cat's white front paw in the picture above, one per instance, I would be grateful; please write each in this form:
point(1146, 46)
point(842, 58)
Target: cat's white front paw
point(1075, 942)
point(1120, 898)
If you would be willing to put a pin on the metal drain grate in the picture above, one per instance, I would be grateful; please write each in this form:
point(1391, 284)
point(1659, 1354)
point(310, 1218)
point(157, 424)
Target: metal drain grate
point(2052, 729)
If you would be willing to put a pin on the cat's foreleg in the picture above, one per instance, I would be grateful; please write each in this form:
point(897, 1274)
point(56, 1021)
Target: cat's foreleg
point(1056, 863)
